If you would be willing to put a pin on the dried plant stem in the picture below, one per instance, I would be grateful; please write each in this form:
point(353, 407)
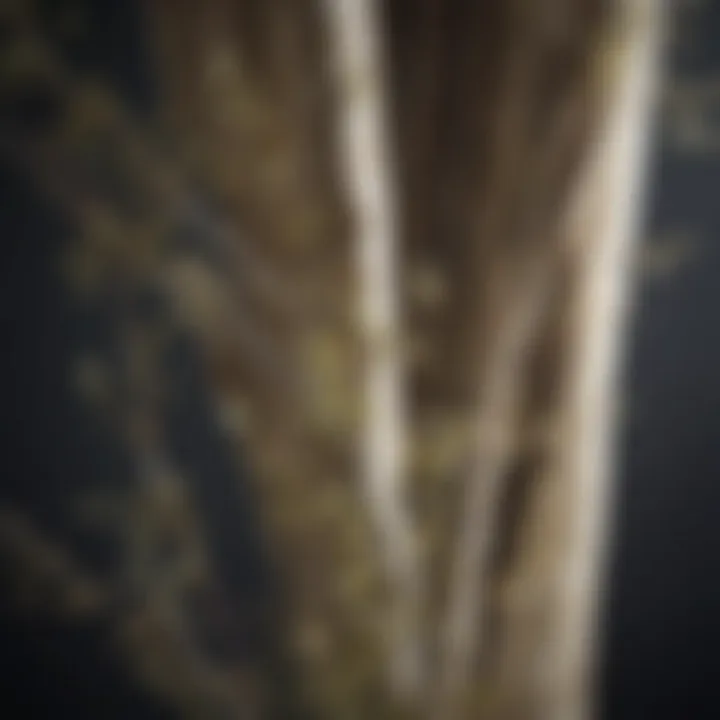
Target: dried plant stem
point(368, 168)
point(496, 432)
point(609, 205)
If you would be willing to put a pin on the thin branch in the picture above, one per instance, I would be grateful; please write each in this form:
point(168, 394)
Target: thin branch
point(496, 432)
point(613, 195)
point(369, 167)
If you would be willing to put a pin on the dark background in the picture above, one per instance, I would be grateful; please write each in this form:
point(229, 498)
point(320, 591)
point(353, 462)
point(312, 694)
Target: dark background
point(663, 638)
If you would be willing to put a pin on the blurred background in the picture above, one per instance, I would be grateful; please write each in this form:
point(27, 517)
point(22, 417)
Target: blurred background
point(663, 611)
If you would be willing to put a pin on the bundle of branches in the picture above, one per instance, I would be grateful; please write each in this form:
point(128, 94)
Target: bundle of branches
point(399, 236)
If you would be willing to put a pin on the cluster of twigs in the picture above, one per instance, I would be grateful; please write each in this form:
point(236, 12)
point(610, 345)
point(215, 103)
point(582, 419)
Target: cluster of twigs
point(376, 227)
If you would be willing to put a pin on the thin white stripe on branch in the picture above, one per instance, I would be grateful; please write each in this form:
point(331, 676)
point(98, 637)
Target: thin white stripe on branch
point(613, 195)
point(496, 432)
point(355, 34)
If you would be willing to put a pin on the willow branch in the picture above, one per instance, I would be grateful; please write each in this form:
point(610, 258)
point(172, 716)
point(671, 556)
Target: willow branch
point(368, 168)
point(612, 195)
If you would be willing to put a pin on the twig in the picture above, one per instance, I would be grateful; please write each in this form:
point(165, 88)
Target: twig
point(368, 169)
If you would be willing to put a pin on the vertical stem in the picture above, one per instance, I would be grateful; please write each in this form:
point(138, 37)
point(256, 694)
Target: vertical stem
point(611, 203)
point(355, 33)
point(497, 427)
